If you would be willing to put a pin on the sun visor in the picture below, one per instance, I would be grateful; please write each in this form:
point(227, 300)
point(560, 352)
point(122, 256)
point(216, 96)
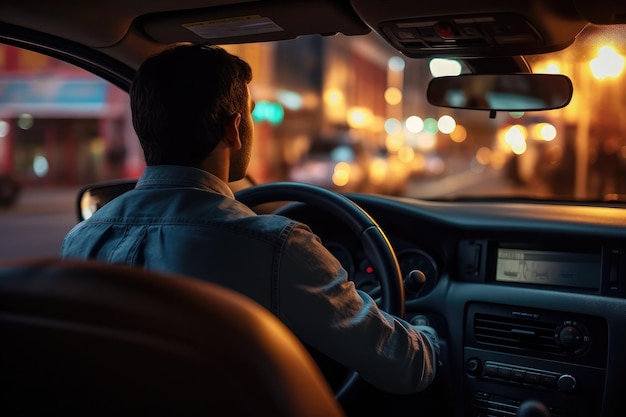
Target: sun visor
point(254, 22)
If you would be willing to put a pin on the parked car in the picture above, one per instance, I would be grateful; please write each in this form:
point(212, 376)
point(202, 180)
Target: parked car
point(349, 165)
point(521, 233)
point(9, 190)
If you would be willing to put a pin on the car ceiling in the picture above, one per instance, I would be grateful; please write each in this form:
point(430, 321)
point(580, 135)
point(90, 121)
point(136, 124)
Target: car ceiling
point(129, 30)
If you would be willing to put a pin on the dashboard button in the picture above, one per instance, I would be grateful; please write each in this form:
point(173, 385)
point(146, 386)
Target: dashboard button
point(491, 370)
point(504, 372)
point(479, 395)
point(518, 375)
point(548, 380)
point(532, 378)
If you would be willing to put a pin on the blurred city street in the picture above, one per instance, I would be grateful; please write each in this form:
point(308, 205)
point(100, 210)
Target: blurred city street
point(467, 183)
point(42, 216)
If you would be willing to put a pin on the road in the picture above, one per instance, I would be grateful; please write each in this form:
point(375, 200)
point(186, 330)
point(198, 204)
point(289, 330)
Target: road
point(37, 224)
point(469, 183)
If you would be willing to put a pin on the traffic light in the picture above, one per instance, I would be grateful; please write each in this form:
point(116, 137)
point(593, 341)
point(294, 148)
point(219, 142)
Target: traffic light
point(268, 111)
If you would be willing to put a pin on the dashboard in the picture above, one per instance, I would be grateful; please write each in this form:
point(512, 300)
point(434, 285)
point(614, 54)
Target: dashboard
point(529, 300)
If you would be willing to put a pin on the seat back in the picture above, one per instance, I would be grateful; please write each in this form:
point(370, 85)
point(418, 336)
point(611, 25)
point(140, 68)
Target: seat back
point(85, 338)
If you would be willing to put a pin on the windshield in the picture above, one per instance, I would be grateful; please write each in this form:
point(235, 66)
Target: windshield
point(343, 90)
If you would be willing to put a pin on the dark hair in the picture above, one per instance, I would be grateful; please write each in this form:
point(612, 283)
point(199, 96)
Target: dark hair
point(180, 99)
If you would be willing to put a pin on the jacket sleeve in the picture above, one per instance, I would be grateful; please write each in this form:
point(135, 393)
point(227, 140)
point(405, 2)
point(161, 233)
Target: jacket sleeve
point(323, 308)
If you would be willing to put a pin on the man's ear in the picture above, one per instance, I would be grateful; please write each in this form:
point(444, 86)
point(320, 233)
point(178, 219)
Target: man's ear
point(231, 131)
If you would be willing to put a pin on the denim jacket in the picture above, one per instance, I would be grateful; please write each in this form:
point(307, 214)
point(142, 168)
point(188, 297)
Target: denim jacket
point(186, 221)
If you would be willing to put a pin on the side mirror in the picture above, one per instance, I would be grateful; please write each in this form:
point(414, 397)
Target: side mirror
point(92, 197)
point(501, 92)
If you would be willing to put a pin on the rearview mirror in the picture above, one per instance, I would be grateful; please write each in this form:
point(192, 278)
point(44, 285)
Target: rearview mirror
point(501, 92)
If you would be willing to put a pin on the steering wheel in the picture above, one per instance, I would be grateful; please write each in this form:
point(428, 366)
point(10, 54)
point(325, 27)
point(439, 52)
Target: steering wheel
point(375, 244)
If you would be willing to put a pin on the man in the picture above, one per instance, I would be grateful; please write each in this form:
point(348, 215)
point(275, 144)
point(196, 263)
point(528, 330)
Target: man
point(191, 110)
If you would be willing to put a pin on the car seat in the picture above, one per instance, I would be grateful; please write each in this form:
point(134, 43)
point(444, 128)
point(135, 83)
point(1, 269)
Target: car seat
point(90, 339)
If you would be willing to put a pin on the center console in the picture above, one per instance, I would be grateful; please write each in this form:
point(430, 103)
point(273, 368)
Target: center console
point(515, 355)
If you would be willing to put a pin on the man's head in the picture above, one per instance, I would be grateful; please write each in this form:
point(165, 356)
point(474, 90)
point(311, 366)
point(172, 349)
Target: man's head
point(183, 101)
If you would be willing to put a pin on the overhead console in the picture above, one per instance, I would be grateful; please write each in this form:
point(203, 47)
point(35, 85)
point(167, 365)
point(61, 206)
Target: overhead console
point(460, 29)
point(486, 35)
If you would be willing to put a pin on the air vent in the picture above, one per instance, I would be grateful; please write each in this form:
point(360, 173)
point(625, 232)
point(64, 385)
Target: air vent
point(516, 333)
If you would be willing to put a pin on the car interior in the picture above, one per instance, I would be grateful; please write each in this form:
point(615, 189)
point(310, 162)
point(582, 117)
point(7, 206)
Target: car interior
point(527, 294)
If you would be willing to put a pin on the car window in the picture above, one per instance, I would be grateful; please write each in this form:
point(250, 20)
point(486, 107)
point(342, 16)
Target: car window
point(347, 113)
point(60, 128)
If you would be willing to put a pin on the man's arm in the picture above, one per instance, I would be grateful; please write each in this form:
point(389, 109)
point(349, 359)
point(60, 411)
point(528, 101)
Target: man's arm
point(323, 308)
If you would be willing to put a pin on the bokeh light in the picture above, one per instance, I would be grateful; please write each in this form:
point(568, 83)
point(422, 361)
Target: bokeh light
point(394, 142)
point(406, 154)
point(359, 117)
point(333, 97)
point(25, 121)
point(459, 134)
point(430, 126)
point(483, 155)
point(414, 124)
point(393, 96)
point(392, 126)
point(608, 64)
point(341, 174)
point(4, 128)
point(544, 131)
point(446, 124)
point(396, 64)
point(515, 137)
point(41, 167)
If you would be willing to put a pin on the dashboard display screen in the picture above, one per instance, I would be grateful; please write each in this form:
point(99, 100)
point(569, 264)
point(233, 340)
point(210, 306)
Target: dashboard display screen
point(567, 269)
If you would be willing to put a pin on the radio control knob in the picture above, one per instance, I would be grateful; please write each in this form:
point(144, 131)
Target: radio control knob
point(473, 366)
point(532, 408)
point(570, 338)
point(566, 383)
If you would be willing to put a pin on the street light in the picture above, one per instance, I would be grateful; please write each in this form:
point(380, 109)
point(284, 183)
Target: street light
point(608, 64)
point(359, 117)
